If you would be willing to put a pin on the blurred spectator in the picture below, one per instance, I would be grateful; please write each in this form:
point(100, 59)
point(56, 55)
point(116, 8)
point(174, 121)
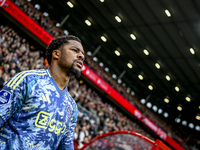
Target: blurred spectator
point(3, 80)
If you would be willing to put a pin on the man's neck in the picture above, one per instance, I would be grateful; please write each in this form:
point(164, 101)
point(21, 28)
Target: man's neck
point(60, 77)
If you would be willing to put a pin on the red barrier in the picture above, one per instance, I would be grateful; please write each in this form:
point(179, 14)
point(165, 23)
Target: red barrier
point(125, 140)
point(27, 22)
point(37, 30)
point(159, 145)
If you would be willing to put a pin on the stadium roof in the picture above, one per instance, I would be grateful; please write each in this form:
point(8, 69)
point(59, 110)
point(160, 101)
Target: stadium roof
point(158, 38)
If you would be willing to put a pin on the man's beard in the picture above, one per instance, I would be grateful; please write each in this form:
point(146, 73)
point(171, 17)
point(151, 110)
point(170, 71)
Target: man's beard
point(73, 71)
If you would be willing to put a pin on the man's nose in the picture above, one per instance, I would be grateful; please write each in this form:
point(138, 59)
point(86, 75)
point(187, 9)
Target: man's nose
point(81, 56)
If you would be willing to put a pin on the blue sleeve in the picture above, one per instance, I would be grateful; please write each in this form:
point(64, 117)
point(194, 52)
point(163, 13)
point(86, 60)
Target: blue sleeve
point(11, 98)
point(68, 142)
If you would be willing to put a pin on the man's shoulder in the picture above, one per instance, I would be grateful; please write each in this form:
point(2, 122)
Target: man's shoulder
point(25, 77)
point(32, 74)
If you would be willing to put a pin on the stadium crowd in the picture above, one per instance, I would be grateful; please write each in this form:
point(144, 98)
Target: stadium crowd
point(17, 55)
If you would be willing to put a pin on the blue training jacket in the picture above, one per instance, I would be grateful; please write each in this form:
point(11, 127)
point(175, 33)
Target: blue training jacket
point(35, 114)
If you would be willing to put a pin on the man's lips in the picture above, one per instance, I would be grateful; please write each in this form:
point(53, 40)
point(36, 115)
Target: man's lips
point(80, 64)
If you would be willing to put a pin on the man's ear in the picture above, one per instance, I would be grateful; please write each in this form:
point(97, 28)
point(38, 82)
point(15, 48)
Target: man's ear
point(56, 54)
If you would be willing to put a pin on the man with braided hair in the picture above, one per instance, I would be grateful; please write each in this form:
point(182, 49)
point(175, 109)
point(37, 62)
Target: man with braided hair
point(36, 110)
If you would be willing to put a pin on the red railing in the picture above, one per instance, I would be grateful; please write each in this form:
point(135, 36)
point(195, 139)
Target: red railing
point(124, 139)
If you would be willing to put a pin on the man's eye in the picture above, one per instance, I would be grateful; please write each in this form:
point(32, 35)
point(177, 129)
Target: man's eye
point(75, 50)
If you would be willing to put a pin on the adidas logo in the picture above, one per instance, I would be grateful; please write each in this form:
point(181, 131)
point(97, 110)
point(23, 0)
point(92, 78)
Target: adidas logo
point(45, 98)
